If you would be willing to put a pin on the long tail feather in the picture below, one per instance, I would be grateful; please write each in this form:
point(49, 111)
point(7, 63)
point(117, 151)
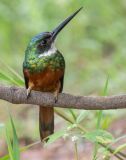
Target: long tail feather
point(46, 121)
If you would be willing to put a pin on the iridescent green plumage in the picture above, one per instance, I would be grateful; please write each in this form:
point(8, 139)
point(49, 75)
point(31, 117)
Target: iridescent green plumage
point(34, 63)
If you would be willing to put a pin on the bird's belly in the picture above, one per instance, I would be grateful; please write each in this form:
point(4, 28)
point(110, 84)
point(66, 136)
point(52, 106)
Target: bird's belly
point(46, 80)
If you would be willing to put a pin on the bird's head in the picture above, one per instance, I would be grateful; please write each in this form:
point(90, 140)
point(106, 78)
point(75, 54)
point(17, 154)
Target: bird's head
point(45, 40)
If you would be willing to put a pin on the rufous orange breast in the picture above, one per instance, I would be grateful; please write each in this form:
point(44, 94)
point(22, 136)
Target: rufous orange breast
point(45, 81)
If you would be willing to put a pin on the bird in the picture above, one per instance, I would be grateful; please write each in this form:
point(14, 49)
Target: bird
point(44, 69)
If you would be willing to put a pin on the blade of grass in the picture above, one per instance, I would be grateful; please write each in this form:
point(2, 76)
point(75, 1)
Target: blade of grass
point(9, 145)
point(101, 112)
point(12, 71)
point(73, 114)
point(82, 116)
point(121, 147)
point(100, 115)
point(8, 78)
point(63, 115)
point(16, 151)
point(6, 157)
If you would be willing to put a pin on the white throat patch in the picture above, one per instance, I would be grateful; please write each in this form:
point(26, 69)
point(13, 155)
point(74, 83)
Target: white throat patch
point(51, 51)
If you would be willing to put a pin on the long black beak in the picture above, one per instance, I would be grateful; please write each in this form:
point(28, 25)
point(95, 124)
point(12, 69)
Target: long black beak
point(63, 24)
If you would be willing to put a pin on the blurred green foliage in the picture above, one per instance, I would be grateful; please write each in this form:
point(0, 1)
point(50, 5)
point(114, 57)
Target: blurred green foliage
point(93, 44)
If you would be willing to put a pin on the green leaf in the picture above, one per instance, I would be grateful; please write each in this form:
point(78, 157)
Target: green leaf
point(54, 137)
point(120, 148)
point(100, 136)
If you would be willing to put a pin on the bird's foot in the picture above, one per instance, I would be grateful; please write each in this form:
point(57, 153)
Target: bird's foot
point(28, 92)
point(55, 97)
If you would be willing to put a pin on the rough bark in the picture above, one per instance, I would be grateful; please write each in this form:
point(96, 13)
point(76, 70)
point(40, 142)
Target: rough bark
point(17, 95)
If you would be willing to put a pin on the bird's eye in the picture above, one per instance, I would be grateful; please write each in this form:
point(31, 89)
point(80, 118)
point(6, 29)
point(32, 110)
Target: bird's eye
point(43, 42)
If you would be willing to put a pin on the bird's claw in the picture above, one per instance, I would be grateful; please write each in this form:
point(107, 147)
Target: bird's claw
point(55, 97)
point(28, 92)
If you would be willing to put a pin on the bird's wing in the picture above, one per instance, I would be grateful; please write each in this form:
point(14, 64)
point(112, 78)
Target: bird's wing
point(61, 83)
point(26, 79)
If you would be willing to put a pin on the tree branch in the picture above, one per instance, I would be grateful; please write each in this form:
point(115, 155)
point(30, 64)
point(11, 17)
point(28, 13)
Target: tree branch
point(17, 95)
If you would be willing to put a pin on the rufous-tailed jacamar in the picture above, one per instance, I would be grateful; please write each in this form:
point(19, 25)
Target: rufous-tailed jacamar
point(43, 70)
